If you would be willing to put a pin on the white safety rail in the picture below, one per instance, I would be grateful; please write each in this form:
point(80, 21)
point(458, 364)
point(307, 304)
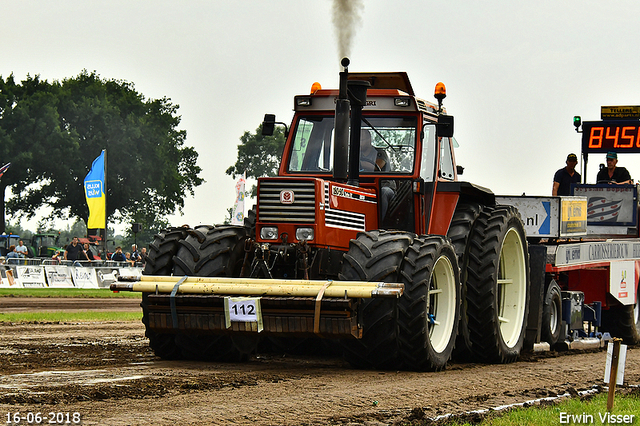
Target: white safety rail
point(35, 273)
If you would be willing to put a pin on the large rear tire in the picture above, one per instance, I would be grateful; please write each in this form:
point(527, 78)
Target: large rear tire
point(498, 285)
point(429, 309)
point(162, 249)
point(623, 321)
point(376, 256)
point(213, 252)
point(163, 344)
point(462, 223)
point(160, 262)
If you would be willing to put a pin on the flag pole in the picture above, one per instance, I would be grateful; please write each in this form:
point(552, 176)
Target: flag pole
point(106, 220)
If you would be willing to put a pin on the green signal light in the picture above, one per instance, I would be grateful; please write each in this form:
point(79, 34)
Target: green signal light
point(577, 121)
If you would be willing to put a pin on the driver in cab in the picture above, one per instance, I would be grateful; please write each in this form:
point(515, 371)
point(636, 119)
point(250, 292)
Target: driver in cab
point(370, 160)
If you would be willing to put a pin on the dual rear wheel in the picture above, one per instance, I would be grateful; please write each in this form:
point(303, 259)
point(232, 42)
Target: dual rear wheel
point(418, 330)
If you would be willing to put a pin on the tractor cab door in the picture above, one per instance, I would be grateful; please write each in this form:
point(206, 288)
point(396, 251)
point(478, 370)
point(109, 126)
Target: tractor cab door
point(437, 167)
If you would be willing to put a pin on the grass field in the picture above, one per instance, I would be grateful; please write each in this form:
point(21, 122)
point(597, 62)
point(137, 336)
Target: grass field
point(63, 317)
point(68, 316)
point(589, 410)
point(67, 292)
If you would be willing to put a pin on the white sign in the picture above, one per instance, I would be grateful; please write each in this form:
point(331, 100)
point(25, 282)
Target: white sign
point(621, 360)
point(84, 277)
point(106, 276)
point(601, 251)
point(58, 276)
point(622, 280)
point(31, 276)
point(243, 309)
point(6, 278)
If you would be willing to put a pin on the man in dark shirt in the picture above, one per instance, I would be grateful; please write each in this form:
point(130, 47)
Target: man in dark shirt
point(612, 174)
point(118, 256)
point(564, 177)
point(71, 252)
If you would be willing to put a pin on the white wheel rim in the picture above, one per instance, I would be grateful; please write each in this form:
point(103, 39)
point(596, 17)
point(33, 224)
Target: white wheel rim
point(553, 317)
point(442, 304)
point(512, 288)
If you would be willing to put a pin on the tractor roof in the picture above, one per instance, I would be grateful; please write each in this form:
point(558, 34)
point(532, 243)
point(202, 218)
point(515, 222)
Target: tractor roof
point(385, 80)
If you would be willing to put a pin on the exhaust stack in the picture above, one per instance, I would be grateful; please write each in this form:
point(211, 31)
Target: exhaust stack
point(340, 148)
point(358, 97)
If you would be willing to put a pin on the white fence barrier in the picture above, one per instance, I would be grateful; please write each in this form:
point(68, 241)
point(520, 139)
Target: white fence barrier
point(72, 275)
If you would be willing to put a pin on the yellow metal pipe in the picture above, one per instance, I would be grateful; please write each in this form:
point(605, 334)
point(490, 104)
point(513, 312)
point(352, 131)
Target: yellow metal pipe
point(254, 281)
point(261, 287)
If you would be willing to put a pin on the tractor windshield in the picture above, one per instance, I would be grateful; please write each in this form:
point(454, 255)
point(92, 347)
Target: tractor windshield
point(394, 139)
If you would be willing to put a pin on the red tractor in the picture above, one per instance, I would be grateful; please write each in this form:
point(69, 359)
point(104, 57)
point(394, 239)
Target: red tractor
point(365, 242)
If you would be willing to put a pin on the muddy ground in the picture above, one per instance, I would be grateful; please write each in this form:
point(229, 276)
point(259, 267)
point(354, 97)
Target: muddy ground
point(106, 372)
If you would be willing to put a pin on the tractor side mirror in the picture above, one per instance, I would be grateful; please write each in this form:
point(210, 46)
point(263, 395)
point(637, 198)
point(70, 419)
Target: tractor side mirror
point(444, 128)
point(268, 124)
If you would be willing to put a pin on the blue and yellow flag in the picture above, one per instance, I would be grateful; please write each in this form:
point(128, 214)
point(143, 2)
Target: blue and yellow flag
point(94, 192)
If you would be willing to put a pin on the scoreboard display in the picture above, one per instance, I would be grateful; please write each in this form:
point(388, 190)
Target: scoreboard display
point(615, 135)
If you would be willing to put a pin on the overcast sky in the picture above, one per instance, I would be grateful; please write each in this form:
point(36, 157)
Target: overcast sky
point(516, 72)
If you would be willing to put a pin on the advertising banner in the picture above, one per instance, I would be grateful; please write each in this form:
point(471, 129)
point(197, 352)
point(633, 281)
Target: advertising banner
point(84, 277)
point(6, 278)
point(31, 276)
point(58, 276)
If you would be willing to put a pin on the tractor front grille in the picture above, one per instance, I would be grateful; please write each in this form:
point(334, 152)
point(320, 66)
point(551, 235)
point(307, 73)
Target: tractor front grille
point(271, 209)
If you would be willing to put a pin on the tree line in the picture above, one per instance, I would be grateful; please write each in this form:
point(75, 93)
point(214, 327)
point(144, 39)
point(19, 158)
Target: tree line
point(52, 131)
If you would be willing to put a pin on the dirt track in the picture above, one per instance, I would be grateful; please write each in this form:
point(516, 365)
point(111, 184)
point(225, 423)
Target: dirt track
point(106, 372)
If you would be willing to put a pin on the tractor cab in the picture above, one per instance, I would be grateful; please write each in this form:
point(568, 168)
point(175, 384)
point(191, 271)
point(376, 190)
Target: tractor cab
point(7, 241)
point(370, 155)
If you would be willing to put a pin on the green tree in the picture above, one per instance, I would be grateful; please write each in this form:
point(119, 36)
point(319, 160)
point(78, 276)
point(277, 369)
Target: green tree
point(29, 135)
point(258, 155)
point(55, 131)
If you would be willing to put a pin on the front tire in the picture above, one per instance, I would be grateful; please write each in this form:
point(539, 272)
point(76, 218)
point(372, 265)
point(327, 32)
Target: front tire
point(213, 252)
point(376, 256)
point(429, 309)
point(498, 285)
point(160, 262)
point(162, 249)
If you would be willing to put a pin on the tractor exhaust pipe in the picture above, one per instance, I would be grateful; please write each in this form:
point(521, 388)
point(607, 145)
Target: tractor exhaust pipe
point(340, 149)
point(358, 97)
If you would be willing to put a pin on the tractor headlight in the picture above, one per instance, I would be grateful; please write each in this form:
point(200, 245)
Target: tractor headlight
point(304, 234)
point(269, 233)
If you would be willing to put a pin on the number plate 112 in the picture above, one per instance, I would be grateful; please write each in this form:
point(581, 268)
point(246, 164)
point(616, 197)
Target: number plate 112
point(242, 309)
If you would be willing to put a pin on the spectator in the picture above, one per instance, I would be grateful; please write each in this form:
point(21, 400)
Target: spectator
point(143, 256)
point(118, 256)
point(128, 259)
point(612, 174)
point(82, 255)
point(22, 249)
point(566, 176)
point(72, 250)
point(13, 254)
point(88, 252)
point(135, 255)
